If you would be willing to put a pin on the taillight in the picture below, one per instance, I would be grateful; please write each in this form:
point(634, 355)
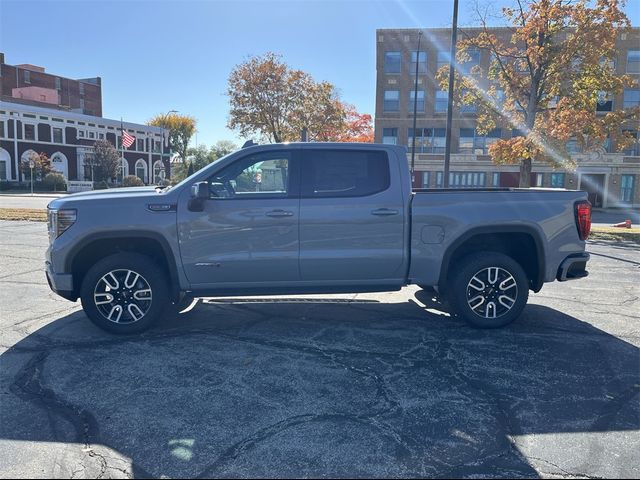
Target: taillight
point(583, 219)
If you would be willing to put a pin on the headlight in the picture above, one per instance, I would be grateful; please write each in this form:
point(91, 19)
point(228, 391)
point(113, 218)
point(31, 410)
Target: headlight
point(59, 221)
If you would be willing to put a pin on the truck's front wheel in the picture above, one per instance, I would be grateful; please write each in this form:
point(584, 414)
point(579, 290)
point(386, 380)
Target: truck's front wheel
point(124, 293)
point(489, 289)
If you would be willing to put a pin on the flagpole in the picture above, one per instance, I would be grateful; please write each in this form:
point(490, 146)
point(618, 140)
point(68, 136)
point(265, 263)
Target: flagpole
point(122, 150)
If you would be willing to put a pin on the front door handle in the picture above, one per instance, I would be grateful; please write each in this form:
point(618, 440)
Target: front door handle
point(382, 212)
point(279, 213)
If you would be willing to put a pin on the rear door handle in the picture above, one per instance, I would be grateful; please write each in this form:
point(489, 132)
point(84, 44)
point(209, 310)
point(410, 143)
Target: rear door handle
point(279, 213)
point(382, 212)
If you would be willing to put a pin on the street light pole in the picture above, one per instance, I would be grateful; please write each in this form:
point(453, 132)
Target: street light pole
point(415, 110)
point(452, 59)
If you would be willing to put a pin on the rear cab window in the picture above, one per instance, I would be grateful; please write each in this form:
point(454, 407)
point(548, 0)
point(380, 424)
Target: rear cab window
point(344, 173)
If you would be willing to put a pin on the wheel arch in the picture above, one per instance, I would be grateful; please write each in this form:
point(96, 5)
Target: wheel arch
point(100, 245)
point(515, 241)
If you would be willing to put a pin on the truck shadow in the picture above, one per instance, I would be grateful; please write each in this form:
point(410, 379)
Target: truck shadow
point(309, 387)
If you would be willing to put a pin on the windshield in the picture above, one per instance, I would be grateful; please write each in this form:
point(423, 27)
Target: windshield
point(191, 177)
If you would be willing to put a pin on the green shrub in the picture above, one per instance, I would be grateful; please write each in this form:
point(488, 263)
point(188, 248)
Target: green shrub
point(132, 181)
point(100, 185)
point(55, 182)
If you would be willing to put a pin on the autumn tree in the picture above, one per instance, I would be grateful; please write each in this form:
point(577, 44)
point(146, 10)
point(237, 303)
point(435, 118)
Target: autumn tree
point(356, 127)
point(104, 161)
point(276, 102)
point(181, 130)
point(545, 77)
point(41, 166)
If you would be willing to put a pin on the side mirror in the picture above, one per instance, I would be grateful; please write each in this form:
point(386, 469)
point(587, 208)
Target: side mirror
point(199, 193)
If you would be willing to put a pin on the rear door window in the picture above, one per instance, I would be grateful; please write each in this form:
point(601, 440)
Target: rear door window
point(344, 173)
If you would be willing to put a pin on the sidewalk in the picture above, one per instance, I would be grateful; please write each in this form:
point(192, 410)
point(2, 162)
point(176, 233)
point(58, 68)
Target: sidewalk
point(25, 200)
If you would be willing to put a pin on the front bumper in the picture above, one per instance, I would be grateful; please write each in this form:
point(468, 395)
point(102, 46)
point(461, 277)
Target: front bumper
point(61, 283)
point(573, 267)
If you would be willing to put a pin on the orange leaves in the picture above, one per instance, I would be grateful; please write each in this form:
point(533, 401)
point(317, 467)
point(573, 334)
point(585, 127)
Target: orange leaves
point(276, 102)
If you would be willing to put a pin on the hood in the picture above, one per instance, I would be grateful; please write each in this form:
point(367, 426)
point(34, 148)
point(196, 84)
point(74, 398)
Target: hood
point(104, 195)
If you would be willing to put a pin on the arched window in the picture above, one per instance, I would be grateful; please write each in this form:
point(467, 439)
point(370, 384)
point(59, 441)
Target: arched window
point(158, 172)
point(123, 168)
point(141, 170)
point(60, 164)
point(5, 161)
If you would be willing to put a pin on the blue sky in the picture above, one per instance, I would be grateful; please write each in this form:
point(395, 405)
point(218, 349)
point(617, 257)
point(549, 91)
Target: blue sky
point(154, 56)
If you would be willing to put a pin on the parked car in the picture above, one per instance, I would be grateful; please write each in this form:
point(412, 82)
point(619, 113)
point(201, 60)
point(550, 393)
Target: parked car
point(311, 218)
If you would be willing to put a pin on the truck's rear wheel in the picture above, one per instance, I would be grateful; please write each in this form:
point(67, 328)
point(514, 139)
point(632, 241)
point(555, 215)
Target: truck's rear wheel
point(489, 289)
point(124, 293)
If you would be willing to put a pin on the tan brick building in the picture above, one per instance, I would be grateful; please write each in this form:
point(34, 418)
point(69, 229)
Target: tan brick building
point(611, 177)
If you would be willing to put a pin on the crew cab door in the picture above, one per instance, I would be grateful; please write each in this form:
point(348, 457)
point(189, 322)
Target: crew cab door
point(351, 217)
point(248, 230)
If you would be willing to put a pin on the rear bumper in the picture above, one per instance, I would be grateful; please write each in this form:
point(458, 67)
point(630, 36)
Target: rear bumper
point(573, 267)
point(61, 283)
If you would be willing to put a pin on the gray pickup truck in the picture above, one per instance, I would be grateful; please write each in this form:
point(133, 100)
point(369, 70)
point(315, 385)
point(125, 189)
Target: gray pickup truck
point(311, 218)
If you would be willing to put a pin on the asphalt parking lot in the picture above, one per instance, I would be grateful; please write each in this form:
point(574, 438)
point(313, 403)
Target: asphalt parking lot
point(372, 385)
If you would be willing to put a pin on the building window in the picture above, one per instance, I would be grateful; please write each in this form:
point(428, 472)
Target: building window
point(634, 148)
point(626, 188)
point(428, 140)
point(472, 142)
point(467, 179)
point(29, 132)
point(573, 146)
point(158, 172)
point(557, 180)
point(3, 170)
point(392, 62)
point(631, 98)
point(539, 179)
point(425, 179)
point(443, 58)
point(1, 129)
point(101, 136)
point(57, 135)
point(27, 76)
point(474, 59)
point(633, 61)
point(496, 179)
point(439, 182)
point(81, 89)
point(156, 146)
point(82, 104)
point(442, 100)
point(465, 107)
point(422, 62)
point(420, 103)
point(141, 170)
point(390, 136)
point(391, 100)
point(140, 144)
point(605, 102)
point(58, 86)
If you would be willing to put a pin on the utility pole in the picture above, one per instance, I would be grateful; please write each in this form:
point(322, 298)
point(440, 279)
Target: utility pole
point(452, 59)
point(415, 110)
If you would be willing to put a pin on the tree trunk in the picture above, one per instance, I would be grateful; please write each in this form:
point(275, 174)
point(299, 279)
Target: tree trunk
point(525, 173)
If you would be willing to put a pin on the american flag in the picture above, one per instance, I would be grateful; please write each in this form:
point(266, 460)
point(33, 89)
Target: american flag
point(127, 140)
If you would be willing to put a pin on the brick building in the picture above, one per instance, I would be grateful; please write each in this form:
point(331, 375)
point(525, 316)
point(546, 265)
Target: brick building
point(32, 85)
point(68, 137)
point(610, 177)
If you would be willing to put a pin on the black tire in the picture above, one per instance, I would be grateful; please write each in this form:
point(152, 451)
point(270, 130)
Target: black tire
point(150, 293)
point(507, 288)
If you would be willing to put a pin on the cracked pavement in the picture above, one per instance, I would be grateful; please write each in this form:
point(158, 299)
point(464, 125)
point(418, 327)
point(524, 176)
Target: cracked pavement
point(367, 385)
